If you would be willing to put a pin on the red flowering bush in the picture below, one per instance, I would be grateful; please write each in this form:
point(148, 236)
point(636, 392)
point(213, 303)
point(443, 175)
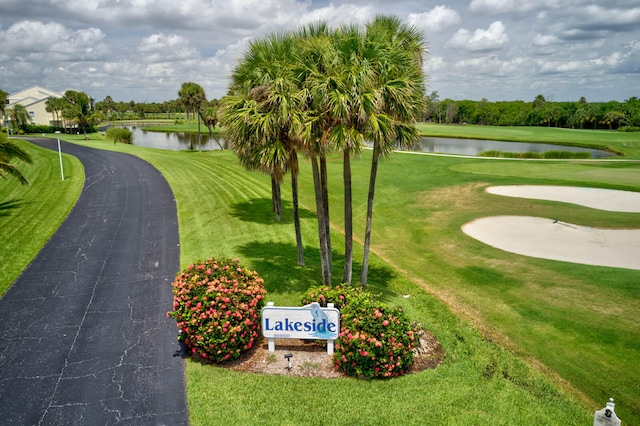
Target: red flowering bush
point(217, 306)
point(374, 341)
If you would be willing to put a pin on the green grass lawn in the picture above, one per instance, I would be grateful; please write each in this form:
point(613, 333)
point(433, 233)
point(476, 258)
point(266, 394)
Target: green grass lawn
point(577, 324)
point(30, 214)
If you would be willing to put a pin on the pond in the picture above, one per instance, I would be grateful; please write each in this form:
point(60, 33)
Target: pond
point(183, 141)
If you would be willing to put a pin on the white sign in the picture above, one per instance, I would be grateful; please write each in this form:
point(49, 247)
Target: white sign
point(306, 322)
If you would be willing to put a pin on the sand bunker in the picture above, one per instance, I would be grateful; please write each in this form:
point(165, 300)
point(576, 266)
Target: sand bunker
point(556, 240)
point(602, 199)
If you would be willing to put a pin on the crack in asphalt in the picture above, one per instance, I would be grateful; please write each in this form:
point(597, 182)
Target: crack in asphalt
point(84, 337)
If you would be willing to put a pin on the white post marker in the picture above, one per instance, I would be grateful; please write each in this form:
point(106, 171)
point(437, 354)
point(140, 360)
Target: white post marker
point(60, 155)
point(607, 416)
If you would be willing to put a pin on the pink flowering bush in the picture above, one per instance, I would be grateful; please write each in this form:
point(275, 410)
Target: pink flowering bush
point(217, 306)
point(374, 341)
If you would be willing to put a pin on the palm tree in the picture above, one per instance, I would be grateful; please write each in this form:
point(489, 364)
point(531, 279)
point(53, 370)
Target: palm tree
point(340, 82)
point(56, 106)
point(10, 150)
point(3, 100)
point(19, 117)
point(314, 59)
point(612, 117)
point(191, 96)
point(261, 117)
point(78, 110)
point(397, 53)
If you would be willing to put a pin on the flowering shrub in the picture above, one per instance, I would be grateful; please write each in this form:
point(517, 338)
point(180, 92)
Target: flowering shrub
point(374, 341)
point(217, 307)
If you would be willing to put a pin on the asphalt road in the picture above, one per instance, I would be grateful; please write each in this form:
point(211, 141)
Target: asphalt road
point(84, 337)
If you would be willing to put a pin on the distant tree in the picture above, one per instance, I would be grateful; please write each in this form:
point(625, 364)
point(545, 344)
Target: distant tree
point(210, 115)
point(3, 100)
point(539, 102)
point(451, 111)
point(78, 110)
point(632, 111)
point(10, 150)
point(191, 96)
point(55, 106)
point(578, 118)
point(614, 117)
point(433, 110)
point(19, 117)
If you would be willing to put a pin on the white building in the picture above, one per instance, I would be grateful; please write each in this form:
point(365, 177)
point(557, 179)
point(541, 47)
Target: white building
point(34, 100)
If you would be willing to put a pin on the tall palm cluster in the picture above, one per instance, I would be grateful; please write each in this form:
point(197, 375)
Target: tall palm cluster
point(322, 90)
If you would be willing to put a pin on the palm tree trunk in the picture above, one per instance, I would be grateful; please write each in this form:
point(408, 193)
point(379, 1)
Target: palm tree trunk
point(296, 210)
point(276, 199)
point(325, 202)
point(367, 232)
point(324, 260)
point(348, 219)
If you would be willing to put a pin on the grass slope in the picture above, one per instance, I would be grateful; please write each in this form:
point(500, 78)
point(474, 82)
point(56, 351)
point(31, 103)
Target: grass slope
point(580, 322)
point(30, 214)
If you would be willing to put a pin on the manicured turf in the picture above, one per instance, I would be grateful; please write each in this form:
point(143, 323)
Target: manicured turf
point(580, 322)
point(30, 214)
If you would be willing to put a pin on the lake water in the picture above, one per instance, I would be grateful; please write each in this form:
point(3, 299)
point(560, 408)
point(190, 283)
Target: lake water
point(182, 141)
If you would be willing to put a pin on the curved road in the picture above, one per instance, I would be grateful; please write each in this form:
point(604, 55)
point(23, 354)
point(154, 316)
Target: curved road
point(83, 334)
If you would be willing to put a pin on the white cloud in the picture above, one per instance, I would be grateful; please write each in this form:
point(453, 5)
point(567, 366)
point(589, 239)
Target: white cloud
point(544, 40)
point(165, 48)
point(145, 49)
point(492, 38)
point(52, 41)
point(494, 7)
point(341, 14)
point(436, 20)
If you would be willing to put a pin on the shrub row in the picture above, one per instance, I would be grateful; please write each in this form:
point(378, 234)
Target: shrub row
point(551, 155)
point(217, 306)
point(119, 134)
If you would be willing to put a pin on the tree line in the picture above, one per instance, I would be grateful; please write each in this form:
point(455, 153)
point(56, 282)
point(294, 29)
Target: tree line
point(540, 112)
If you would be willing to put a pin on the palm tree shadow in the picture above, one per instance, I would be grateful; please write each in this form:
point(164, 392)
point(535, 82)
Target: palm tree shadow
point(260, 210)
point(7, 206)
point(276, 263)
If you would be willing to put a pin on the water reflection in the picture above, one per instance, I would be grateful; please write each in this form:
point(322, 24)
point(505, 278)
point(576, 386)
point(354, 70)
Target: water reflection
point(477, 146)
point(178, 141)
point(184, 141)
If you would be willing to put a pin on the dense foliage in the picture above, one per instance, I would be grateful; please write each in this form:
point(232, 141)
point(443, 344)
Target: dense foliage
point(119, 134)
point(548, 155)
point(374, 341)
point(217, 305)
point(540, 112)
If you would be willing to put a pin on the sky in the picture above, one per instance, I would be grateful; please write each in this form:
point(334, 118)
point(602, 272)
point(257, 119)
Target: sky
point(143, 50)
